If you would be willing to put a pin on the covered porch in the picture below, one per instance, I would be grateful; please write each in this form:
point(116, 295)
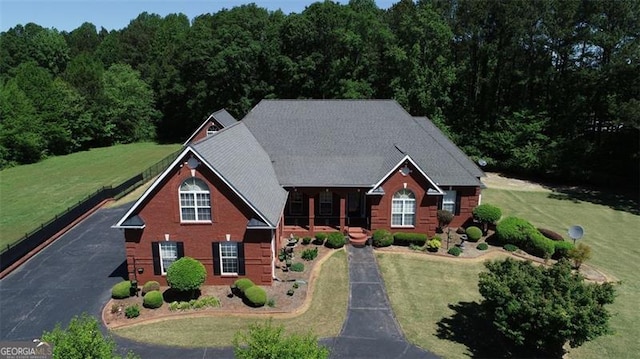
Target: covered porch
point(313, 210)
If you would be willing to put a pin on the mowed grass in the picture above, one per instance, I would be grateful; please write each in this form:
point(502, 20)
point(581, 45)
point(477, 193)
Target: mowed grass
point(421, 288)
point(324, 317)
point(33, 194)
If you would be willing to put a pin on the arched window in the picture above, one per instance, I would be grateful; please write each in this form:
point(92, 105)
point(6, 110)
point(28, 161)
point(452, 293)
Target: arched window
point(212, 130)
point(195, 201)
point(403, 208)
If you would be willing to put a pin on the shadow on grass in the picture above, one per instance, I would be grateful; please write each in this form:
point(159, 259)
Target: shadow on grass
point(617, 201)
point(468, 326)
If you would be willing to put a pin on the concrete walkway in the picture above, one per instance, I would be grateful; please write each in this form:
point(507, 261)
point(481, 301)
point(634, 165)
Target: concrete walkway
point(371, 329)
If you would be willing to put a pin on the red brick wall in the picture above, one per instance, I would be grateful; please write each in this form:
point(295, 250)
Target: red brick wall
point(203, 131)
point(230, 215)
point(426, 220)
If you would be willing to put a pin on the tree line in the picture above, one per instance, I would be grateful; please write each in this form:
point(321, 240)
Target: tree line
point(549, 87)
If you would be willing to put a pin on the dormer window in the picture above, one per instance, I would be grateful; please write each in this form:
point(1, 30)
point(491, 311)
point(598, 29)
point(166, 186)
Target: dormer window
point(212, 130)
point(195, 201)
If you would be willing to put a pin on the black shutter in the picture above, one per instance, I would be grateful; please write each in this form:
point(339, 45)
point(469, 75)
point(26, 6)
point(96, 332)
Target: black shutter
point(457, 212)
point(241, 270)
point(180, 248)
point(215, 246)
point(155, 250)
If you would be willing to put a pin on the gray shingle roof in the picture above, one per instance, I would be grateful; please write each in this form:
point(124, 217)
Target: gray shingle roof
point(224, 118)
point(236, 155)
point(352, 143)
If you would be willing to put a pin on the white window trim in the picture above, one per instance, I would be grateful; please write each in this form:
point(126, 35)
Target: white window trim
point(447, 201)
point(222, 272)
point(163, 270)
point(297, 201)
point(212, 132)
point(195, 206)
point(328, 199)
point(403, 213)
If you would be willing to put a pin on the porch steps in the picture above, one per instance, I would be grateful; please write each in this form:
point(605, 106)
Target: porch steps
point(358, 236)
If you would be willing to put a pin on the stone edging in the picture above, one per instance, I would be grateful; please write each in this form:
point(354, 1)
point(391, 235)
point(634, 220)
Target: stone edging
point(275, 314)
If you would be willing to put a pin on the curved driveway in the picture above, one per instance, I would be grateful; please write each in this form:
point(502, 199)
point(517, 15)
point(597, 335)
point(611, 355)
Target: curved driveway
point(76, 272)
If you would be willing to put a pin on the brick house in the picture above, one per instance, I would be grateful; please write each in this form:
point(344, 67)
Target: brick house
point(298, 167)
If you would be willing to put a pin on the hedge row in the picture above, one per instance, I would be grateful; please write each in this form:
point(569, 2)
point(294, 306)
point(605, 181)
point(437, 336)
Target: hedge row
point(406, 239)
point(519, 232)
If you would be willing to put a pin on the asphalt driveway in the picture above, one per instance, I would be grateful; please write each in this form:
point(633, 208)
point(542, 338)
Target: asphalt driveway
point(71, 276)
point(75, 274)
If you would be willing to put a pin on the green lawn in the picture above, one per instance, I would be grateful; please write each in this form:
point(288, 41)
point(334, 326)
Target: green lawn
point(437, 284)
point(324, 317)
point(33, 194)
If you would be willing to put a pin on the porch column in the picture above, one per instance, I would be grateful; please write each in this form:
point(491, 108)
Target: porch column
point(343, 212)
point(312, 214)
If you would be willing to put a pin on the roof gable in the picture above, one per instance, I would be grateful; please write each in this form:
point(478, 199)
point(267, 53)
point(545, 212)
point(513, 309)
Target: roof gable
point(267, 208)
point(220, 117)
point(376, 189)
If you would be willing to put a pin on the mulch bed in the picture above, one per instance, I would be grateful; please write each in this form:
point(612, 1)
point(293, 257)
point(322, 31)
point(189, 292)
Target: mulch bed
point(113, 312)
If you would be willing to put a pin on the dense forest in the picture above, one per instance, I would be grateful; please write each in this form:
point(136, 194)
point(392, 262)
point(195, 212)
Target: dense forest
point(546, 88)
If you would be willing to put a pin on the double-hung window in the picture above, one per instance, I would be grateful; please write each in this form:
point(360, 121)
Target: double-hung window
point(326, 203)
point(195, 201)
point(403, 209)
point(449, 201)
point(228, 258)
point(168, 254)
point(295, 203)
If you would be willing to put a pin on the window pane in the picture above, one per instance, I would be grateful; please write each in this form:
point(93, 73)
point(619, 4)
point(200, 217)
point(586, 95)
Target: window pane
point(204, 214)
point(188, 214)
point(186, 199)
point(396, 220)
point(168, 254)
point(203, 199)
point(229, 258)
point(408, 220)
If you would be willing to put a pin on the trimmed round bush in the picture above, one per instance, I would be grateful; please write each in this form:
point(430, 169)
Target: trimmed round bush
point(320, 238)
point(150, 286)
point(487, 213)
point(186, 274)
point(454, 251)
point(562, 249)
point(382, 238)
point(540, 246)
point(243, 284)
point(297, 267)
point(132, 311)
point(515, 231)
point(335, 240)
point(510, 247)
point(482, 246)
point(444, 217)
point(256, 296)
point(550, 234)
point(306, 240)
point(152, 299)
point(474, 234)
point(121, 290)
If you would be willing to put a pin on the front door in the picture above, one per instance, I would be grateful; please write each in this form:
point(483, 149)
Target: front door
point(355, 209)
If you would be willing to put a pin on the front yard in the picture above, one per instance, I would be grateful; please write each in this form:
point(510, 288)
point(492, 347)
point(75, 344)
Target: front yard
point(421, 287)
point(217, 327)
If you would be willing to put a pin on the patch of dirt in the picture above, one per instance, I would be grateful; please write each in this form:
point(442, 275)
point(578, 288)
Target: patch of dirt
point(285, 305)
point(499, 181)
